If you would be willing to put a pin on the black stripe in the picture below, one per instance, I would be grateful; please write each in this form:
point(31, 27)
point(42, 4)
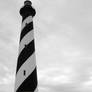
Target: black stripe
point(26, 29)
point(25, 54)
point(29, 84)
point(23, 18)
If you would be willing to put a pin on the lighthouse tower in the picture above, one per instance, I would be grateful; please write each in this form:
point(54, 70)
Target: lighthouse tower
point(26, 72)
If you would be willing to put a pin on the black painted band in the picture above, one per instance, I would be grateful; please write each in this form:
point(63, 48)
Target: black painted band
point(26, 29)
point(25, 54)
point(29, 84)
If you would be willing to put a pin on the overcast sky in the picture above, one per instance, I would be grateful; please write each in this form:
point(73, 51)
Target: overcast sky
point(63, 42)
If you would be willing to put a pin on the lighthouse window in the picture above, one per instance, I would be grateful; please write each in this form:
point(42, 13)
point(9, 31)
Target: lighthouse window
point(24, 72)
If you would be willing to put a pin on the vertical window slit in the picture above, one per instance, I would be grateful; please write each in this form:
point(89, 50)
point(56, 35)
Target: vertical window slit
point(24, 72)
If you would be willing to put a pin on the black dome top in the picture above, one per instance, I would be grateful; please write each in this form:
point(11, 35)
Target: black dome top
point(27, 10)
point(27, 2)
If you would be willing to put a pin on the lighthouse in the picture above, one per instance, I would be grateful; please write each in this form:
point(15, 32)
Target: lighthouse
point(26, 71)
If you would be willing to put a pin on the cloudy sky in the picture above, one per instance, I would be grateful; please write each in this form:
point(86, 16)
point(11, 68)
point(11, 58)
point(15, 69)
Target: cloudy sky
point(63, 42)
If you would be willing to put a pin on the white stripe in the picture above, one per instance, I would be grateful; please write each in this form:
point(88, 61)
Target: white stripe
point(26, 40)
point(28, 66)
point(27, 20)
point(36, 90)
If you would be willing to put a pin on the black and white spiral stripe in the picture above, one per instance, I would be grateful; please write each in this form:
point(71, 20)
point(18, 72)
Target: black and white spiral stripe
point(26, 72)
